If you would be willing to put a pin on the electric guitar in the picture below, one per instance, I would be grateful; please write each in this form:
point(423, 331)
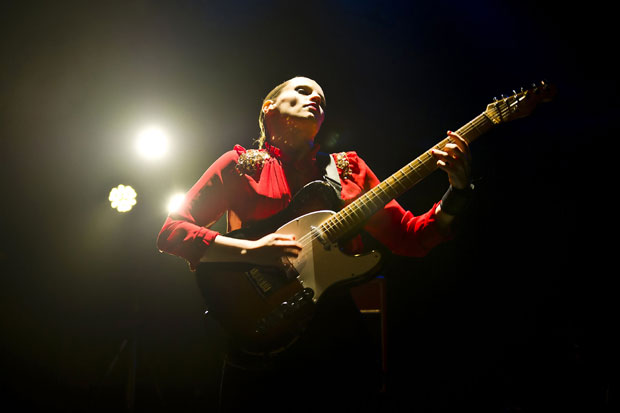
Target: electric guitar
point(265, 309)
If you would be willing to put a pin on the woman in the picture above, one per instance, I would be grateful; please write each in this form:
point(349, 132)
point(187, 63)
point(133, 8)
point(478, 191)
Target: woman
point(251, 185)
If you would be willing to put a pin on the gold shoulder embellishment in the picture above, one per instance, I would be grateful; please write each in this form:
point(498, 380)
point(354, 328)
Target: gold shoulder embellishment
point(342, 162)
point(251, 161)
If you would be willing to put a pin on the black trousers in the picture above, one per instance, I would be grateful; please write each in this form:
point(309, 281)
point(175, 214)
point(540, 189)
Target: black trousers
point(335, 366)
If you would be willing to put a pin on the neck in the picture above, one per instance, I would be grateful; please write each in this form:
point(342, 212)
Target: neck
point(293, 149)
point(294, 137)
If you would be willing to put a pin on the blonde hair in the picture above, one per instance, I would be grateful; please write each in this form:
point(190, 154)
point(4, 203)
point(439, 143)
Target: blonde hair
point(275, 92)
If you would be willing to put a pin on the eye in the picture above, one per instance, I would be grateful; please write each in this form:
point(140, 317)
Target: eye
point(307, 90)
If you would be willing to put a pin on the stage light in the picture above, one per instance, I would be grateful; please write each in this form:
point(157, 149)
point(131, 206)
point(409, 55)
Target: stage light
point(152, 143)
point(123, 198)
point(175, 202)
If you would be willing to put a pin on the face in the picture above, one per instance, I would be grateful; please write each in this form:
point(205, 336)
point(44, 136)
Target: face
point(300, 104)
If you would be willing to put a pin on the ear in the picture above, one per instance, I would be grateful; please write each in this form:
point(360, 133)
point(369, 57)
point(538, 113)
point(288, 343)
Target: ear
point(268, 105)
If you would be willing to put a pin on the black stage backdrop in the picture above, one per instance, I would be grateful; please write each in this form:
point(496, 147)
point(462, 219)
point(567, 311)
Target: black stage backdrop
point(514, 314)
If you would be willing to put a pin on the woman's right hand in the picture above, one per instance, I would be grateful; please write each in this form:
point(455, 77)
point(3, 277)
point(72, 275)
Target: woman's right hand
point(271, 249)
point(268, 250)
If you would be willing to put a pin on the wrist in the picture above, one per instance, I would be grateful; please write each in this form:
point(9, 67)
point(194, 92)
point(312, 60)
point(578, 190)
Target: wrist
point(228, 249)
point(455, 201)
point(246, 247)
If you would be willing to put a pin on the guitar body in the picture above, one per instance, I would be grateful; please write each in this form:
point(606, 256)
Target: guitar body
point(265, 308)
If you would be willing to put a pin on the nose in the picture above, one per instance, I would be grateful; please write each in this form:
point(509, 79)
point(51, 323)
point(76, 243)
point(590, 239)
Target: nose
point(315, 97)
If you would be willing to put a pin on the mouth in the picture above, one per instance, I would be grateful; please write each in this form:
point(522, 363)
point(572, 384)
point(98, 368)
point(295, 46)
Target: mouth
point(312, 106)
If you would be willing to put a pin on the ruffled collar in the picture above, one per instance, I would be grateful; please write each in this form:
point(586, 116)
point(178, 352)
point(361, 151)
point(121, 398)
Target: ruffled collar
point(273, 150)
point(266, 167)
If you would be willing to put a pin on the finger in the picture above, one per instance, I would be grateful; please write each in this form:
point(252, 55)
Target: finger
point(454, 167)
point(451, 166)
point(453, 150)
point(445, 158)
point(284, 236)
point(287, 244)
point(439, 153)
point(271, 239)
point(462, 144)
point(459, 141)
point(442, 165)
point(292, 252)
point(455, 155)
point(442, 156)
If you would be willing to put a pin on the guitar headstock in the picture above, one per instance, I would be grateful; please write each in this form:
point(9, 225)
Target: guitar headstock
point(519, 104)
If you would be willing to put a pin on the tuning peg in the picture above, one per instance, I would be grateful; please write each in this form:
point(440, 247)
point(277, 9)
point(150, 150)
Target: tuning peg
point(495, 99)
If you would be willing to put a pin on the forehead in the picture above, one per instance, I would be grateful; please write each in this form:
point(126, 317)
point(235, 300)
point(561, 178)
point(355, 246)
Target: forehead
point(304, 81)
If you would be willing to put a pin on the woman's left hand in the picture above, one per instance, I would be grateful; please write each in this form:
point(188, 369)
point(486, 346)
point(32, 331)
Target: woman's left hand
point(455, 160)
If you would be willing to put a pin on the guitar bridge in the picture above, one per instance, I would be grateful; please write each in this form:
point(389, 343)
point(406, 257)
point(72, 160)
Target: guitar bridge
point(286, 310)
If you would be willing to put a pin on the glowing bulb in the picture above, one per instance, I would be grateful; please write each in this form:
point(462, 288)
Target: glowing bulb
point(152, 143)
point(175, 202)
point(122, 198)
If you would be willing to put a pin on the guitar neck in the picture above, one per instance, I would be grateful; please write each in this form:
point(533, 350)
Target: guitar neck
point(351, 216)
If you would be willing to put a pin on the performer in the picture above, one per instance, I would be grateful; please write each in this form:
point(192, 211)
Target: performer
point(333, 363)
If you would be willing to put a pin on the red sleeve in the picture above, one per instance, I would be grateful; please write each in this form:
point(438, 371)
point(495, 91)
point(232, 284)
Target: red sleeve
point(399, 230)
point(185, 233)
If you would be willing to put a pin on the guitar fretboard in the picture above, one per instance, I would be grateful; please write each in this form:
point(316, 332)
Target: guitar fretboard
point(358, 211)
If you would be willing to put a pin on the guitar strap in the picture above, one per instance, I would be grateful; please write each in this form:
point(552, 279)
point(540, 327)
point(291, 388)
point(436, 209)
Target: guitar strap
point(331, 175)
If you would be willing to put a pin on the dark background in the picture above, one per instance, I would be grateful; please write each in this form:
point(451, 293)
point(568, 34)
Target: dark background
point(515, 314)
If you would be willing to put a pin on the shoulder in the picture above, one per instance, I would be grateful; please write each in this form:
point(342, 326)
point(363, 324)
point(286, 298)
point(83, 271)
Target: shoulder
point(249, 161)
point(348, 163)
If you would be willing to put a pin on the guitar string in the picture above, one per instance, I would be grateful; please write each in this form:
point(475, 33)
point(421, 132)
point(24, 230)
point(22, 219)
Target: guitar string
point(366, 200)
point(383, 188)
point(483, 119)
point(313, 235)
point(334, 222)
point(343, 215)
point(422, 164)
point(367, 204)
point(501, 109)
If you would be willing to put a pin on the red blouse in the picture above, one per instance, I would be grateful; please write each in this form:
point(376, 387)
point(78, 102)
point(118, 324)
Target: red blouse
point(252, 185)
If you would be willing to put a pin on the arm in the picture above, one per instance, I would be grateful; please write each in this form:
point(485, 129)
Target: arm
point(267, 250)
point(186, 234)
point(401, 231)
